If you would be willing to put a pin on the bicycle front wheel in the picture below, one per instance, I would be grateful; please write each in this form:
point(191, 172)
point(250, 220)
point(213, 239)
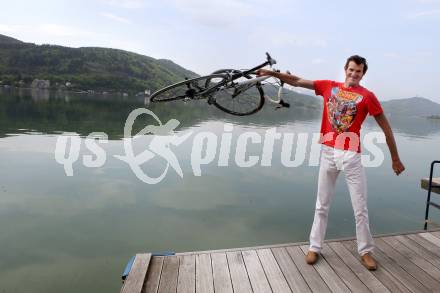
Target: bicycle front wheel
point(237, 100)
point(191, 88)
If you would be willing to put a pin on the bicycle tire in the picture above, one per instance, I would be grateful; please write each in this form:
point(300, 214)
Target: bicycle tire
point(191, 88)
point(226, 101)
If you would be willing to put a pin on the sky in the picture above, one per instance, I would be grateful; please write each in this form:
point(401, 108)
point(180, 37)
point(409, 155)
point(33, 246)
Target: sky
point(310, 38)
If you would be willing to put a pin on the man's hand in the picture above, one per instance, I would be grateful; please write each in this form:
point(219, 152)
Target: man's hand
point(287, 78)
point(263, 72)
point(398, 167)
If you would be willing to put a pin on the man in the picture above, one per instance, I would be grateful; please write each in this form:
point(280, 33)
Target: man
point(346, 106)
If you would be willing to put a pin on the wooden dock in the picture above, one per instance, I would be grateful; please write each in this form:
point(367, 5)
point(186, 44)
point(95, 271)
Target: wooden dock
point(407, 263)
point(424, 184)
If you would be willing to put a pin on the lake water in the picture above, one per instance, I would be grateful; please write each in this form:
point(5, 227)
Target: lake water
point(76, 233)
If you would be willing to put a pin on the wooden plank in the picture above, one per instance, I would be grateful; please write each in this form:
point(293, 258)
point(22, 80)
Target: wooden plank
point(393, 267)
point(186, 281)
point(436, 234)
point(136, 277)
point(153, 274)
point(425, 243)
point(328, 274)
point(220, 272)
point(424, 183)
point(273, 272)
point(310, 275)
point(413, 256)
point(392, 276)
point(291, 273)
point(168, 278)
point(431, 238)
point(255, 271)
point(410, 267)
point(358, 269)
point(204, 280)
point(237, 270)
point(420, 250)
point(343, 271)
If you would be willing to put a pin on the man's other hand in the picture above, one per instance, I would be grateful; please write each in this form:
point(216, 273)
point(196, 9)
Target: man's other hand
point(398, 167)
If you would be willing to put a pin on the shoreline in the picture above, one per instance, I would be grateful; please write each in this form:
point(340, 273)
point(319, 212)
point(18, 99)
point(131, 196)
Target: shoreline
point(77, 91)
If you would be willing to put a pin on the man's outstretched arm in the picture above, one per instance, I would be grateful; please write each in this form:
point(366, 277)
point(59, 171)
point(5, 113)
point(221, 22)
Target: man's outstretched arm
point(288, 78)
point(397, 165)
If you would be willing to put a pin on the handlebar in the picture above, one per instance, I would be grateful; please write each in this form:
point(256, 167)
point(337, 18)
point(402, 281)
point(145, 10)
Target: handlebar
point(270, 59)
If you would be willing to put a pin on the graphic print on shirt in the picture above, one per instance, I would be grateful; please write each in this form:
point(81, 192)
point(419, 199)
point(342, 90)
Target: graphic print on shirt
point(342, 108)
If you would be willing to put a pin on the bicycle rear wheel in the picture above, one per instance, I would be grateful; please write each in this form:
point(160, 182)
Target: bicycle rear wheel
point(191, 88)
point(233, 100)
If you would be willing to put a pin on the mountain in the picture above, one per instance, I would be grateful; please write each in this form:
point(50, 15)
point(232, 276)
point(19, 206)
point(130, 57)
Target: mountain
point(412, 107)
point(85, 68)
point(9, 40)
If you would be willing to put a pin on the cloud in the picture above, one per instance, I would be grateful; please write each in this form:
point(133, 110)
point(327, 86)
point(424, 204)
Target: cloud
point(318, 61)
point(215, 13)
point(62, 30)
point(10, 29)
point(427, 13)
point(56, 30)
point(282, 39)
point(69, 36)
point(286, 39)
point(55, 34)
point(391, 55)
point(130, 4)
point(428, 1)
point(115, 17)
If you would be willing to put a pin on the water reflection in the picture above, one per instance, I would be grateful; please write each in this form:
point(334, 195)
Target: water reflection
point(52, 112)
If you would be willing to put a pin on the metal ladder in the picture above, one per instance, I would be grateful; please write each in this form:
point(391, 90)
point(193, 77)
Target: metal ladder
point(430, 186)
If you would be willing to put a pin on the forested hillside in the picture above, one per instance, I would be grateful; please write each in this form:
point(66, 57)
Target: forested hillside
point(84, 68)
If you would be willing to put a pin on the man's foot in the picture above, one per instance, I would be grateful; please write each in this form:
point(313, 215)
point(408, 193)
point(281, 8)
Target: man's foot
point(369, 262)
point(311, 257)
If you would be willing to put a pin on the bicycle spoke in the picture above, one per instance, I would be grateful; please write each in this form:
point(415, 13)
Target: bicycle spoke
point(192, 88)
point(245, 103)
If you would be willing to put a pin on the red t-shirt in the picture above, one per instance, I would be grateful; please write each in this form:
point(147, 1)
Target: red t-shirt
point(344, 111)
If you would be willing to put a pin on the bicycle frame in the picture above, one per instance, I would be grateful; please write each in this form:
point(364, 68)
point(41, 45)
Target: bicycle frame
point(244, 85)
point(247, 84)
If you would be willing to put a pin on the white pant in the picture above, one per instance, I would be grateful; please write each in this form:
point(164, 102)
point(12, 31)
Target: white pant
point(332, 162)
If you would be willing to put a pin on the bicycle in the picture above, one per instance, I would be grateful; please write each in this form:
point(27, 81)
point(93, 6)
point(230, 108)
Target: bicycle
point(237, 92)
